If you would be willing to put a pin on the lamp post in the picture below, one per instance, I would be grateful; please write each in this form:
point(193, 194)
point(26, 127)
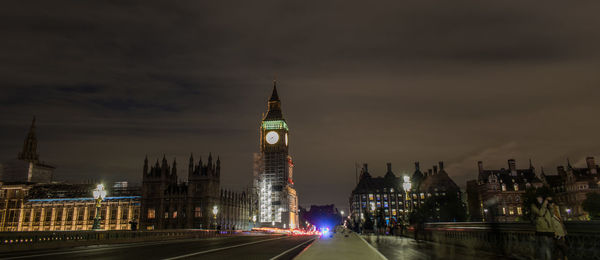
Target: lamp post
point(406, 185)
point(99, 195)
point(215, 211)
point(568, 213)
point(254, 220)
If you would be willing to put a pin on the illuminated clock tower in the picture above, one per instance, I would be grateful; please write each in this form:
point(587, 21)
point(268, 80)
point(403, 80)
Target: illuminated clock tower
point(277, 199)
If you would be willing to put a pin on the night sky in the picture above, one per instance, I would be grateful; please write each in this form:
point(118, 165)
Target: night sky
point(399, 81)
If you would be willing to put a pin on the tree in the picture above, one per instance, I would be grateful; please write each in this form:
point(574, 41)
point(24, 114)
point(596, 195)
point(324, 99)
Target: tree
point(443, 208)
point(530, 197)
point(592, 205)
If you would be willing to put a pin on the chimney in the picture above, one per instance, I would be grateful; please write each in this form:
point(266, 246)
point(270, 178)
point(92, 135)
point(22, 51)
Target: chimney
point(417, 168)
point(389, 167)
point(480, 166)
point(365, 167)
point(591, 164)
point(512, 166)
point(441, 163)
point(428, 173)
point(435, 169)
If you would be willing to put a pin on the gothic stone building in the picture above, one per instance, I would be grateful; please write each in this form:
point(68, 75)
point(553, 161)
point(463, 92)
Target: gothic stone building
point(387, 192)
point(64, 207)
point(497, 194)
point(571, 186)
point(168, 203)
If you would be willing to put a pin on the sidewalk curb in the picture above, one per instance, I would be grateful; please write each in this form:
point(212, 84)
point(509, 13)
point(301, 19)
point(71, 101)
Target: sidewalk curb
point(374, 249)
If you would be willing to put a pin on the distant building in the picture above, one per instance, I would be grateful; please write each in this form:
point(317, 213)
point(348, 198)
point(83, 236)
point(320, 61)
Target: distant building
point(497, 194)
point(27, 167)
point(571, 185)
point(388, 194)
point(168, 203)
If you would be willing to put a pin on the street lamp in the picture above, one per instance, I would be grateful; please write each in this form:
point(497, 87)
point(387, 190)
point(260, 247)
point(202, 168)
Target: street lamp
point(485, 211)
point(215, 211)
point(406, 185)
point(568, 213)
point(99, 195)
point(254, 220)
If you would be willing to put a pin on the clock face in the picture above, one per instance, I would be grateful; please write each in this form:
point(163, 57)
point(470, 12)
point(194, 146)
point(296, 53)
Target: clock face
point(286, 140)
point(272, 137)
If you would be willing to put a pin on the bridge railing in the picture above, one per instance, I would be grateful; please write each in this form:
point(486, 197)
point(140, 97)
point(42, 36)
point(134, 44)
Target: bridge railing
point(516, 239)
point(13, 241)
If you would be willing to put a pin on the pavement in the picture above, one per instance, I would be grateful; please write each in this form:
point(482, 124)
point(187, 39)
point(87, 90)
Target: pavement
point(274, 247)
point(341, 244)
point(396, 247)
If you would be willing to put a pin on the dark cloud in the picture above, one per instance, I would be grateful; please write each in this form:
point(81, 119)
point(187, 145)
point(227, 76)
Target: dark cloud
point(397, 81)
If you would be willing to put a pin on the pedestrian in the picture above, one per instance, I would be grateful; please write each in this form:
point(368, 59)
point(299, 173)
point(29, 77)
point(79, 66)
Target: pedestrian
point(543, 229)
point(560, 245)
point(133, 224)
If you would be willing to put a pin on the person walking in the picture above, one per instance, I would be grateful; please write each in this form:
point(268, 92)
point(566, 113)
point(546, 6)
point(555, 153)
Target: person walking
point(558, 227)
point(543, 229)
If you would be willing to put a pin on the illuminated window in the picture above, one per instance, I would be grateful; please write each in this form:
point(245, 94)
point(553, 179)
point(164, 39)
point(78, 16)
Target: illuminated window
point(166, 214)
point(378, 197)
point(175, 214)
point(370, 196)
point(519, 211)
point(516, 186)
point(511, 211)
point(151, 214)
point(503, 187)
point(379, 204)
point(503, 210)
point(394, 212)
point(385, 204)
point(422, 196)
point(197, 212)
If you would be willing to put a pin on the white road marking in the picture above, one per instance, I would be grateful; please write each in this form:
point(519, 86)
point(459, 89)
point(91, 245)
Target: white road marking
point(103, 247)
point(221, 248)
point(289, 250)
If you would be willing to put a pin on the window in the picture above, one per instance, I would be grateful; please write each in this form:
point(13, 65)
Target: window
point(166, 214)
point(519, 211)
point(151, 213)
point(516, 186)
point(124, 213)
point(175, 214)
point(422, 196)
point(503, 187)
point(198, 212)
point(511, 211)
point(370, 196)
point(504, 210)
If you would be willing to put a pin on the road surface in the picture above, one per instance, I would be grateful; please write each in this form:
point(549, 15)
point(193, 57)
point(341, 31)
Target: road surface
point(238, 247)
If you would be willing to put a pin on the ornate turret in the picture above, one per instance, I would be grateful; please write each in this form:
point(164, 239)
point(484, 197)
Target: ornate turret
point(146, 165)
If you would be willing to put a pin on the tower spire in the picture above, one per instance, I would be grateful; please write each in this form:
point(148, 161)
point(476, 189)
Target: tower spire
point(274, 105)
point(29, 151)
point(274, 96)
